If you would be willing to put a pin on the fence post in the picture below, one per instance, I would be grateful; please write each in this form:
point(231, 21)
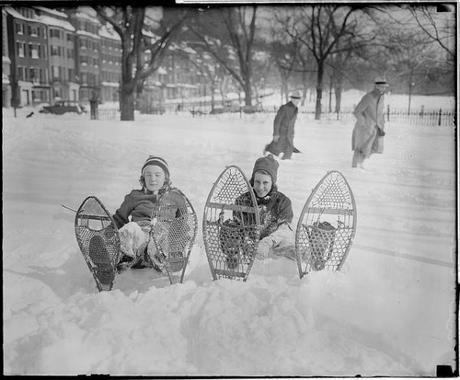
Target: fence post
point(440, 114)
point(388, 112)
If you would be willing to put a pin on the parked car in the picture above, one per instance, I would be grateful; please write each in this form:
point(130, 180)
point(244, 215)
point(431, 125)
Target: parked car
point(63, 106)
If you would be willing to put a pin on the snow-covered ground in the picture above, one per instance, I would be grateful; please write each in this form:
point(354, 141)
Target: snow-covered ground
point(391, 311)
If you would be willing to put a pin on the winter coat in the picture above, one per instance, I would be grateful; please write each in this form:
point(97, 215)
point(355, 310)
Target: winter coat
point(283, 126)
point(143, 205)
point(275, 209)
point(369, 115)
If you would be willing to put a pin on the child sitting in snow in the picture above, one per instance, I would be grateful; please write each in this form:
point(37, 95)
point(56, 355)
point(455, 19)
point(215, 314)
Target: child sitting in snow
point(136, 216)
point(275, 210)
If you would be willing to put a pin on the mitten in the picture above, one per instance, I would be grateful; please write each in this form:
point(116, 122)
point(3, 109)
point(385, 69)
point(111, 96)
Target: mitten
point(263, 248)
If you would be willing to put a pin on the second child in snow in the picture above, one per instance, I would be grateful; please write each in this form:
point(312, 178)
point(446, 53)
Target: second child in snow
point(275, 209)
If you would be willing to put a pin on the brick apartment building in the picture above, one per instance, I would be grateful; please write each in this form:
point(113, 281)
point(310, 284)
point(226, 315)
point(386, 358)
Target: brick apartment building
point(6, 65)
point(28, 52)
point(50, 54)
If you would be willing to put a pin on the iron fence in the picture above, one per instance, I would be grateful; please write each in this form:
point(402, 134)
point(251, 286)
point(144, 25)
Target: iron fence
point(443, 118)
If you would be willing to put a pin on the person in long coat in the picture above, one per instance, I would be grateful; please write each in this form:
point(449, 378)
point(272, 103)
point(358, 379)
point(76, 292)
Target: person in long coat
point(367, 136)
point(283, 129)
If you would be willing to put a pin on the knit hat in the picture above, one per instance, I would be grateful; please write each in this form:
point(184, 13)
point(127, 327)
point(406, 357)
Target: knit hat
point(268, 164)
point(158, 161)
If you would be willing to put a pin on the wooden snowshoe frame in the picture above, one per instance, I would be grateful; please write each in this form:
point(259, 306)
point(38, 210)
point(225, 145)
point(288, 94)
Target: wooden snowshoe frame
point(174, 233)
point(326, 226)
point(231, 226)
point(93, 219)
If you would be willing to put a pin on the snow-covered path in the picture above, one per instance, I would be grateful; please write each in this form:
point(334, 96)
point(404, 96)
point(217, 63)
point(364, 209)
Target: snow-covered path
point(390, 311)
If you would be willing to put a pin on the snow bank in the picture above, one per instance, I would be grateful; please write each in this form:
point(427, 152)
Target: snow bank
point(390, 311)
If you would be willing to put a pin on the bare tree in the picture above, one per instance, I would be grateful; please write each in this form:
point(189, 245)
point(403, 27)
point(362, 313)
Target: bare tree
point(320, 28)
point(229, 35)
point(439, 29)
point(142, 51)
point(284, 49)
point(205, 65)
point(350, 45)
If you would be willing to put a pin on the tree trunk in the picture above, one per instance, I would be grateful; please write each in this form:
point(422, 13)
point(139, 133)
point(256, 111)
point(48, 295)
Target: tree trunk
point(410, 88)
point(127, 87)
point(304, 91)
point(126, 104)
point(338, 89)
point(247, 94)
point(338, 98)
point(330, 94)
point(284, 90)
point(213, 89)
point(319, 90)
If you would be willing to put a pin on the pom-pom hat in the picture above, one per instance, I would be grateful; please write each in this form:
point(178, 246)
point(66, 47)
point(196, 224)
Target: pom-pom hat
point(157, 161)
point(267, 164)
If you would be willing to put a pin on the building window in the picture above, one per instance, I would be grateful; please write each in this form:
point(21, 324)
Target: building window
point(69, 53)
point(55, 72)
point(33, 74)
point(54, 50)
point(62, 73)
point(26, 12)
point(21, 49)
point(32, 31)
point(69, 37)
point(55, 33)
point(21, 73)
point(33, 51)
point(39, 96)
point(42, 76)
point(19, 28)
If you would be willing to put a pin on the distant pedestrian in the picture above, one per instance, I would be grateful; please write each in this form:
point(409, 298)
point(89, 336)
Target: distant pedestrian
point(367, 136)
point(283, 129)
point(93, 104)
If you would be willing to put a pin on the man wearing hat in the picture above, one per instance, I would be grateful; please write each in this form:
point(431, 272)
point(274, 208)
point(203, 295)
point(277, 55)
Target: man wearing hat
point(367, 136)
point(283, 129)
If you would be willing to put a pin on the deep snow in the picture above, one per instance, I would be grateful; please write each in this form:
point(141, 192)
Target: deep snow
point(391, 311)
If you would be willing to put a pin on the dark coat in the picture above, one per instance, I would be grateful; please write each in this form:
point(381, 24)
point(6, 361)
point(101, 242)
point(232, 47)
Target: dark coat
point(143, 206)
point(274, 209)
point(283, 126)
point(369, 116)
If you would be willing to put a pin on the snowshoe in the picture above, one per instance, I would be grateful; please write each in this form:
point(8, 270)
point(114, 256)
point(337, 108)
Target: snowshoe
point(98, 239)
point(326, 226)
point(101, 259)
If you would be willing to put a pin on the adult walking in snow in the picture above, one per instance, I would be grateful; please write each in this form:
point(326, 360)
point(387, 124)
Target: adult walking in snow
point(367, 136)
point(283, 129)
